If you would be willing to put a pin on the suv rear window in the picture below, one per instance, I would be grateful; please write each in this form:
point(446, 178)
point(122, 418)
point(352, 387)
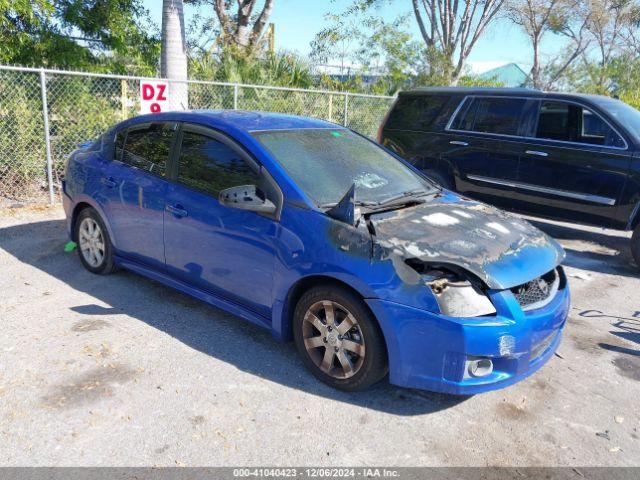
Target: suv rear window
point(420, 112)
point(499, 115)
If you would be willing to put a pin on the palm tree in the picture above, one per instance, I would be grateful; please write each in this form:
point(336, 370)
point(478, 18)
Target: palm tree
point(173, 57)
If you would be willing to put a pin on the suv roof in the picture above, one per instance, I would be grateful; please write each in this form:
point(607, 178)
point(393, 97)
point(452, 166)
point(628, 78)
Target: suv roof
point(499, 91)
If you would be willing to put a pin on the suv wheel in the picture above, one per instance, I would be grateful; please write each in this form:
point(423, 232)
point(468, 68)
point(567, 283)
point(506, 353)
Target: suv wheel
point(339, 339)
point(635, 245)
point(94, 244)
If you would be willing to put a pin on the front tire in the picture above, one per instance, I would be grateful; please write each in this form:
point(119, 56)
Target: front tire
point(339, 339)
point(94, 245)
point(635, 245)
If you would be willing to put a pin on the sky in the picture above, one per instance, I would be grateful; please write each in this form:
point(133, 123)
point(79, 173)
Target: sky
point(297, 21)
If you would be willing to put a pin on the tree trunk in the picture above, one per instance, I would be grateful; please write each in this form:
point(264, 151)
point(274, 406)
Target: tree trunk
point(535, 69)
point(173, 57)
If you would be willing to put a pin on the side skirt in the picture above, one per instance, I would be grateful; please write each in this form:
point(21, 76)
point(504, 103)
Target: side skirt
point(216, 301)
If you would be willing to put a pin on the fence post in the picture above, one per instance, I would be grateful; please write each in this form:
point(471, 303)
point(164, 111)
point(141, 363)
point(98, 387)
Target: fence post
point(123, 98)
point(47, 139)
point(235, 96)
point(346, 107)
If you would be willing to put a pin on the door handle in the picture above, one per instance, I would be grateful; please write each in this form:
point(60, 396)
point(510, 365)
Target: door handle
point(109, 182)
point(537, 153)
point(177, 210)
point(458, 142)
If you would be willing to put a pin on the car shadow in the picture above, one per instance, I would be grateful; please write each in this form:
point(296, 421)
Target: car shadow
point(196, 324)
point(599, 260)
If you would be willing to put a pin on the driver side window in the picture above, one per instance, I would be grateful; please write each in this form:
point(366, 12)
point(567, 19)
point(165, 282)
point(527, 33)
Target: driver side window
point(208, 165)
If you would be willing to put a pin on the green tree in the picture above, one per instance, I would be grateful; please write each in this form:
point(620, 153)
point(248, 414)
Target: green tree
point(99, 35)
point(359, 39)
point(236, 27)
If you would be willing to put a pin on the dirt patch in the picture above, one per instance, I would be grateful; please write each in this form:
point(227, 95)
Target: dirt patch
point(628, 366)
point(88, 387)
point(594, 345)
point(89, 325)
point(512, 411)
point(197, 420)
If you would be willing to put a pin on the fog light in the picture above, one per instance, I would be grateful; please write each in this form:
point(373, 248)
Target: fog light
point(479, 367)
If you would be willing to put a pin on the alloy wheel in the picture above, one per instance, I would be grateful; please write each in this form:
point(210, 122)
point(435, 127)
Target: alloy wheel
point(333, 339)
point(91, 242)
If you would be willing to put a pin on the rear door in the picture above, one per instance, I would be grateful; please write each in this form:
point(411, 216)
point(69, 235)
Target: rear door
point(574, 167)
point(480, 146)
point(134, 189)
point(414, 129)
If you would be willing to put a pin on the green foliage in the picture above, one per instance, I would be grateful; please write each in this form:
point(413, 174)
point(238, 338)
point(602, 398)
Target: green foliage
point(97, 35)
point(619, 78)
point(21, 134)
point(383, 50)
point(280, 69)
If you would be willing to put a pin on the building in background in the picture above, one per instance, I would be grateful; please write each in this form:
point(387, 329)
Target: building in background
point(509, 74)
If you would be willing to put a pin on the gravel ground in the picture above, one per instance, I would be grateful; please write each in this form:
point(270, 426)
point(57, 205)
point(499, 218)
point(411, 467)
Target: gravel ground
point(120, 370)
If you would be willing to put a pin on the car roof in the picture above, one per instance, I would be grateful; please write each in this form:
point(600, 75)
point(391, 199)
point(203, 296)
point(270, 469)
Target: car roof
point(248, 121)
point(501, 91)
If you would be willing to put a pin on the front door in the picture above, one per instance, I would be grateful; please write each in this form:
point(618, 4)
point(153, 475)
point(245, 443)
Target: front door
point(226, 251)
point(575, 166)
point(134, 189)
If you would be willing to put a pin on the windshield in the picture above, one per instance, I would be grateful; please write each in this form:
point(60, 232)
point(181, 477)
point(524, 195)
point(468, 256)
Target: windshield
point(623, 113)
point(326, 162)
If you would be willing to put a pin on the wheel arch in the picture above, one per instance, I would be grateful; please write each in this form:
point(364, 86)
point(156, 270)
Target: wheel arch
point(79, 207)
point(445, 169)
point(82, 204)
point(299, 288)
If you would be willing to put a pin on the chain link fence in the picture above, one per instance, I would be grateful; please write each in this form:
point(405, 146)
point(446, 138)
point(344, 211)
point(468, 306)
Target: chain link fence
point(45, 114)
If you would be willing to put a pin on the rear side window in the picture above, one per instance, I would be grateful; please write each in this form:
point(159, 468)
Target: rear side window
point(568, 122)
point(148, 147)
point(424, 112)
point(498, 115)
point(210, 166)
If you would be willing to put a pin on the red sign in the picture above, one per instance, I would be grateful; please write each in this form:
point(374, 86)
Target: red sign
point(154, 96)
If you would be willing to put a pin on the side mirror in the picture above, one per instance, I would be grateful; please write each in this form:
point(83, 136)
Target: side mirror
point(246, 197)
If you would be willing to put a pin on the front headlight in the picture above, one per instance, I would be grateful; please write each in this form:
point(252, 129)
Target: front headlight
point(458, 297)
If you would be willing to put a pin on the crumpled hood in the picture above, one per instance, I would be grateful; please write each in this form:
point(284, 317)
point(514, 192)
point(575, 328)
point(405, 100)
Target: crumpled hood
point(497, 247)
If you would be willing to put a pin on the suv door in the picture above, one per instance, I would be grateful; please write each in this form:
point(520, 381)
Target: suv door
point(484, 168)
point(215, 248)
point(134, 189)
point(574, 167)
point(414, 130)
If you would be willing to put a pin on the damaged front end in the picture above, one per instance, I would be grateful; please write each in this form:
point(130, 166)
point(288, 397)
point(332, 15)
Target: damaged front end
point(456, 249)
point(469, 298)
point(455, 293)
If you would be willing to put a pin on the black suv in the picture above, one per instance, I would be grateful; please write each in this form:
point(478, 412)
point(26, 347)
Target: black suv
point(563, 156)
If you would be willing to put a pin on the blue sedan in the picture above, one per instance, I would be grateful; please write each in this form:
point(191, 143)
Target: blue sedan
point(320, 235)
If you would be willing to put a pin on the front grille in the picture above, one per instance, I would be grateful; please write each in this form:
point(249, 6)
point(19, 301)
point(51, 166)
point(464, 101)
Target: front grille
point(538, 292)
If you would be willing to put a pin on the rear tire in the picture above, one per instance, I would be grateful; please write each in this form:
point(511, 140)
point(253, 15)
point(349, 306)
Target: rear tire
point(339, 339)
point(635, 245)
point(94, 245)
